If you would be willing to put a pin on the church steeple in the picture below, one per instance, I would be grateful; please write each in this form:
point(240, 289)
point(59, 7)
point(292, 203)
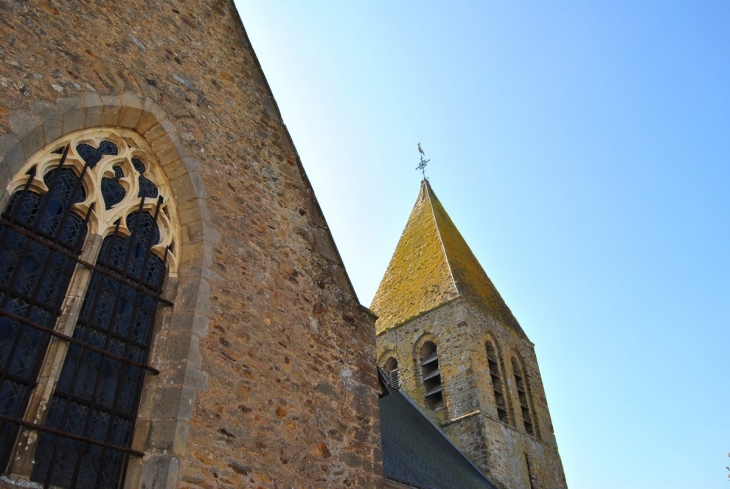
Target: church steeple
point(432, 265)
point(460, 355)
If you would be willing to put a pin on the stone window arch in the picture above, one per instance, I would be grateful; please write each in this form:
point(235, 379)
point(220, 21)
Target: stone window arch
point(524, 397)
point(428, 362)
point(494, 365)
point(88, 235)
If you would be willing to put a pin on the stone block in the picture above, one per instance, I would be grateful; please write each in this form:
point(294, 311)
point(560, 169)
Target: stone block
point(189, 376)
point(168, 437)
point(52, 119)
point(29, 130)
point(174, 169)
point(325, 246)
point(190, 211)
point(184, 188)
point(112, 110)
point(11, 156)
point(159, 472)
point(173, 403)
point(271, 107)
point(132, 109)
point(171, 154)
point(191, 164)
point(152, 107)
point(181, 347)
point(154, 133)
point(189, 322)
point(94, 110)
point(147, 119)
point(194, 295)
point(74, 113)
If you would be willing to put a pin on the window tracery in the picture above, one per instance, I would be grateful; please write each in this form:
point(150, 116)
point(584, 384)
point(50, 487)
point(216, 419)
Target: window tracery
point(101, 183)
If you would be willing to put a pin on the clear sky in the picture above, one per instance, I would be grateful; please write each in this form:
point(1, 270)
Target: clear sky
point(583, 150)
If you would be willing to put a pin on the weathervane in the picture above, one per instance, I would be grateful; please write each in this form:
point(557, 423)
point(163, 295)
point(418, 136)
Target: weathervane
point(422, 165)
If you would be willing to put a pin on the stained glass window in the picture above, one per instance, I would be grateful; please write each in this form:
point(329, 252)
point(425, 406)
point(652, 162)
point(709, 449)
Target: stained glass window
point(86, 435)
point(97, 395)
point(34, 276)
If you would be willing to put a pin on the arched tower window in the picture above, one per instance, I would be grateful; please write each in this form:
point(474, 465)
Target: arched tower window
point(495, 373)
point(523, 395)
point(390, 367)
point(431, 375)
point(86, 241)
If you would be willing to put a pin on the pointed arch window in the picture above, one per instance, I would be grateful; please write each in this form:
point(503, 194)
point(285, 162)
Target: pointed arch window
point(86, 241)
point(431, 375)
point(523, 395)
point(495, 373)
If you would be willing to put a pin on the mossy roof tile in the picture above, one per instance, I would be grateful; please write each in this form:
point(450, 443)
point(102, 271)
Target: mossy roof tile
point(432, 264)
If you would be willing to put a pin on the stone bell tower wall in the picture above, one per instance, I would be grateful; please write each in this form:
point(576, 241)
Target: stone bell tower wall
point(501, 448)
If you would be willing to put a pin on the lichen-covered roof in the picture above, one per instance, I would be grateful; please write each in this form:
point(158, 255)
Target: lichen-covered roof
point(432, 264)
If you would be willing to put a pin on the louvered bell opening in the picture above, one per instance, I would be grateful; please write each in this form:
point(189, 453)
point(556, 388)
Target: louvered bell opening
point(433, 357)
point(431, 375)
point(395, 378)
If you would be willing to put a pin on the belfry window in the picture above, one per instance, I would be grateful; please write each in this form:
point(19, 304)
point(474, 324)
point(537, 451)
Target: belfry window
point(391, 370)
point(85, 219)
point(494, 372)
point(431, 375)
point(523, 397)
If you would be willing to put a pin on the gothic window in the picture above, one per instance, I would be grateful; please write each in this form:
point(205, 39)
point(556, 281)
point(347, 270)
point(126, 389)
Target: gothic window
point(522, 393)
point(431, 375)
point(497, 386)
point(87, 218)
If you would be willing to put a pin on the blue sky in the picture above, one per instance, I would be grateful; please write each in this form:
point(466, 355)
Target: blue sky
point(583, 150)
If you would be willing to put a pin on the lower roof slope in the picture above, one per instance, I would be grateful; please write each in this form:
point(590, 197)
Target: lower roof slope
point(415, 452)
point(432, 265)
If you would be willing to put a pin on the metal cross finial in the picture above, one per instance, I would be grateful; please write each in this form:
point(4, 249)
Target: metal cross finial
point(422, 165)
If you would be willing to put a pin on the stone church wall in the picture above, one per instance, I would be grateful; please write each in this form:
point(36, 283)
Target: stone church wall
point(266, 357)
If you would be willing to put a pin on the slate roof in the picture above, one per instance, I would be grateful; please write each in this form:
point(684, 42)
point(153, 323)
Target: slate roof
point(416, 453)
point(432, 265)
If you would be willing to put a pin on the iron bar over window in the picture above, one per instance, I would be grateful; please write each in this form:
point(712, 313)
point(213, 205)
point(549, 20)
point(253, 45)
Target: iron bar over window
point(86, 185)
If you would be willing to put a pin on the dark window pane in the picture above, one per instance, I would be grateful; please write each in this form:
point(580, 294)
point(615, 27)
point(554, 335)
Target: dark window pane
point(147, 188)
point(113, 464)
point(116, 318)
point(89, 469)
point(92, 156)
point(112, 191)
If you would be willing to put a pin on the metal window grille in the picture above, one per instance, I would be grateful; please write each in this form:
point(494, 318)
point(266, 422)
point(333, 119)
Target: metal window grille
point(34, 275)
point(85, 439)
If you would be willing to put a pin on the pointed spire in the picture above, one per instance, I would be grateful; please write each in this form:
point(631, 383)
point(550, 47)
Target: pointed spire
point(432, 265)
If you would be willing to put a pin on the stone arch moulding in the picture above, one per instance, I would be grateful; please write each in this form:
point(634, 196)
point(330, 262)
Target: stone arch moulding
point(168, 399)
point(385, 355)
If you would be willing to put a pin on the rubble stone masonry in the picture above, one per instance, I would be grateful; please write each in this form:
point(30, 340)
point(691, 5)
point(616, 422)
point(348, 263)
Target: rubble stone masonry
point(503, 450)
point(266, 357)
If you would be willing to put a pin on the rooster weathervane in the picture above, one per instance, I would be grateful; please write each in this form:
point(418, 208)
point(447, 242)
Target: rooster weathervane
point(422, 165)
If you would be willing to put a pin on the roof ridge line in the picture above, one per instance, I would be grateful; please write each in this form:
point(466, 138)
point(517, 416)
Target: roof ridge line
point(441, 240)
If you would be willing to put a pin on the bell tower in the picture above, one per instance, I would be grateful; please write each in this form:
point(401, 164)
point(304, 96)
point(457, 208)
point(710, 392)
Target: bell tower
point(447, 338)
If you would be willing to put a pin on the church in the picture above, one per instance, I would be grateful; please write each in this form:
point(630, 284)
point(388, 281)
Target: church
point(174, 312)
